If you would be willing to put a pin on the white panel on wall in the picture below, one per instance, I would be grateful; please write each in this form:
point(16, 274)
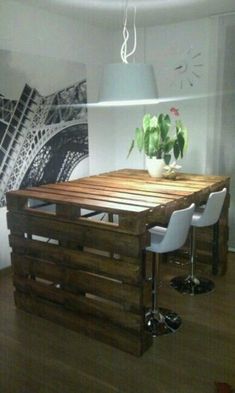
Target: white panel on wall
point(222, 138)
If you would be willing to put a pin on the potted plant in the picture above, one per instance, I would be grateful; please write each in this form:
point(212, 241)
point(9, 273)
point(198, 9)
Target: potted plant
point(158, 140)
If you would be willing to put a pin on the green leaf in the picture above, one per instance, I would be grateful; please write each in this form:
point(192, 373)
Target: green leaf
point(182, 130)
point(139, 138)
point(178, 125)
point(153, 122)
point(146, 142)
point(176, 150)
point(131, 148)
point(155, 138)
point(168, 145)
point(153, 143)
point(185, 135)
point(180, 139)
point(164, 123)
point(146, 121)
point(167, 158)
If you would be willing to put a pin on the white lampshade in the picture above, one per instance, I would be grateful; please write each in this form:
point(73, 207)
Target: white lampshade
point(128, 84)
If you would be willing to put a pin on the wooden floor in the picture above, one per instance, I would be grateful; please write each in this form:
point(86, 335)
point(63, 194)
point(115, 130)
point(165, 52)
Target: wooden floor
point(37, 356)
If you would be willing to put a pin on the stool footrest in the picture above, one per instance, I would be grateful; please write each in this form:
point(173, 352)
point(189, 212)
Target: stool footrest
point(192, 285)
point(162, 321)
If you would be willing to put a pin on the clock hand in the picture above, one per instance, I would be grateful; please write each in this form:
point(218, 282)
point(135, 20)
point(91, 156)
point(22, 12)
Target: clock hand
point(179, 67)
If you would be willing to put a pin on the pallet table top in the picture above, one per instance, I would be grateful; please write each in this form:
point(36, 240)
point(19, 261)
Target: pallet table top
point(127, 192)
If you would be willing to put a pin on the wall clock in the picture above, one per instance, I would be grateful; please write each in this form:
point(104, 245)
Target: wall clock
point(187, 70)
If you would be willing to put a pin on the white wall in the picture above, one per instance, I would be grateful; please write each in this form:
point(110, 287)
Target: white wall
point(34, 31)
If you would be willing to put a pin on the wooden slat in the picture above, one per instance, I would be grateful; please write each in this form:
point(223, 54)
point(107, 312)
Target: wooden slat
point(92, 326)
point(181, 182)
point(68, 211)
point(98, 238)
point(129, 190)
point(128, 270)
point(142, 202)
point(141, 174)
point(175, 192)
point(191, 183)
point(136, 197)
point(110, 311)
point(158, 187)
point(129, 296)
point(90, 204)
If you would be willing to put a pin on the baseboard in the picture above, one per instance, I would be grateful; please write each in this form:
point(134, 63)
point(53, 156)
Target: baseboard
point(5, 271)
point(231, 249)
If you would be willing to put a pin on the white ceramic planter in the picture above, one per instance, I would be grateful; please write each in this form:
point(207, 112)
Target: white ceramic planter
point(155, 166)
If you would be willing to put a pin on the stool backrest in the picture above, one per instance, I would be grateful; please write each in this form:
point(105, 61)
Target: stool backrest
point(177, 230)
point(212, 209)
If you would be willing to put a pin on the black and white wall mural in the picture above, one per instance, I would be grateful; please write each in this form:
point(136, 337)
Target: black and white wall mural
point(43, 121)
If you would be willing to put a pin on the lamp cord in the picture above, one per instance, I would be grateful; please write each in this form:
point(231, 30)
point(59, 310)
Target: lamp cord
point(124, 54)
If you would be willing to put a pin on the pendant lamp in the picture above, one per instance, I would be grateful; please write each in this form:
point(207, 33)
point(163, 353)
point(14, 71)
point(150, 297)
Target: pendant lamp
point(128, 83)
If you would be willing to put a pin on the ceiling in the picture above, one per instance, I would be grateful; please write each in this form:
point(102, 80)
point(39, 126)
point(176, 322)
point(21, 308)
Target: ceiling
point(109, 13)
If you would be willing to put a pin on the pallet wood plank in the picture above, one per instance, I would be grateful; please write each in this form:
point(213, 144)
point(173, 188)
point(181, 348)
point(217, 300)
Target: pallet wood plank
point(91, 326)
point(126, 269)
point(130, 296)
point(86, 203)
point(102, 197)
point(52, 227)
point(136, 197)
point(110, 311)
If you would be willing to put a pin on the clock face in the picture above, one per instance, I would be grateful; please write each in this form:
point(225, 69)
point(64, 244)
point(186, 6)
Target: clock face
point(187, 70)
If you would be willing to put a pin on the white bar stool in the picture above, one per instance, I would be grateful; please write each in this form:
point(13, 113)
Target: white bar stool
point(161, 321)
point(202, 217)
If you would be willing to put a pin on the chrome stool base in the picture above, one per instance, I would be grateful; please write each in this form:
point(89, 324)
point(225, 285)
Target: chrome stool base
point(192, 285)
point(164, 322)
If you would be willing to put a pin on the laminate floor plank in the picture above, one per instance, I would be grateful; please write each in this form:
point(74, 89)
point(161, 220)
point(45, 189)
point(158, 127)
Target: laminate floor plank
point(37, 356)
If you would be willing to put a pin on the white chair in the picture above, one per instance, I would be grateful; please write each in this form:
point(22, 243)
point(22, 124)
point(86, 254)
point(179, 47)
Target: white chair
point(158, 320)
point(203, 216)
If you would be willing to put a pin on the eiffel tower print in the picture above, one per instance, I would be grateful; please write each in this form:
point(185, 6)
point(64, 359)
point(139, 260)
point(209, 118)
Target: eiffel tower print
point(42, 138)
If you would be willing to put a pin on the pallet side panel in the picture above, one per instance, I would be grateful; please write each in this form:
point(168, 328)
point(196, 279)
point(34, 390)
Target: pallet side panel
point(88, 278)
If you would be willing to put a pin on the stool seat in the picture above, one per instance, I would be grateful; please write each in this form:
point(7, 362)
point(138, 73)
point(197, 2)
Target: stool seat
point(157, 235)
point(161, 321)
point(197, 216)
point(206, 215)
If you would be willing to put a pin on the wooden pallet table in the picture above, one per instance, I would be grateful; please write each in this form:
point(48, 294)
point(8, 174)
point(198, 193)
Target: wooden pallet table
point(78, 247)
